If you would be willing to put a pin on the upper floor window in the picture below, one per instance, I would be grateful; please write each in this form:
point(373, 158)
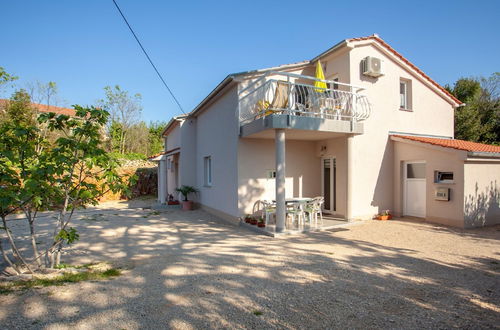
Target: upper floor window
point(207, 164)
point(405, 94)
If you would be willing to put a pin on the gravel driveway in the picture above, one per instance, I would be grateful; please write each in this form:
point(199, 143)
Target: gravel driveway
point(189, 270)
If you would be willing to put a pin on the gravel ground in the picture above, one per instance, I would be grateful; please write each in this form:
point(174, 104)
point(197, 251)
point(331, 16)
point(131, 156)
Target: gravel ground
point(189, 270)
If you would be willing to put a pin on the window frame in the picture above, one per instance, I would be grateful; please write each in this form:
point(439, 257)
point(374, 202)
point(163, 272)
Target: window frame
point(207, 170)
point(407, 106)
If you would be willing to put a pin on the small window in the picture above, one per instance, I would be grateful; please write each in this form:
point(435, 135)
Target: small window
point(415, 171)
point(207, 164)
point(271, 174)
point(443, 177)
point(405, 94)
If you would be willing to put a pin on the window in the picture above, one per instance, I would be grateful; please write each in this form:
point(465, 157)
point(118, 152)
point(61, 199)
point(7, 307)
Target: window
point(207, 164)
point(415, 171)
point(405, 94)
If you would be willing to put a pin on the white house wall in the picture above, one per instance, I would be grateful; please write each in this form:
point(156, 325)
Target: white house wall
point(437, 159)
point(217, 137)
point(482, 193)
point(373, 154)
point(188, 155)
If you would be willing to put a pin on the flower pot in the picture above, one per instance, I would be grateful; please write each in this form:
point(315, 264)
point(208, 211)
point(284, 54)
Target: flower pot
point(187, 205)
point(253, 222)
point(261, 224)
point(385, 217)
point(173, 203)
point(248, 220)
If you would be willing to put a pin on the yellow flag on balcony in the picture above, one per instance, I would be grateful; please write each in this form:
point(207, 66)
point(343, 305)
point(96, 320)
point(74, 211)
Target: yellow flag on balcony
point(321, 86)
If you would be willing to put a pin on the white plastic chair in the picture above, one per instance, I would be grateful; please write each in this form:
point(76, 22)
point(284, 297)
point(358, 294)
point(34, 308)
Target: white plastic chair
point(295, 211)
point(268, 209)
point(313, 209)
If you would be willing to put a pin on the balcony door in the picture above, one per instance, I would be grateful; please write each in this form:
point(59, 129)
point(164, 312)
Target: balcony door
point(328, 180)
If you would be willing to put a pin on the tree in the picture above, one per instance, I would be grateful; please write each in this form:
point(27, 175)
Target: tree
point(74, 172)
point(479, 119)
point(43, 93)
point(155, 137)
point(5, 78)
point(125, 111)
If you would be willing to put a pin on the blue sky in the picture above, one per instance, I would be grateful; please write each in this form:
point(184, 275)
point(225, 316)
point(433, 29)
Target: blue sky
point(84, 45)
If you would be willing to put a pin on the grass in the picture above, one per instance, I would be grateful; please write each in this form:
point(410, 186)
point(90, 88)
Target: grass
point(59, 280)
point(257, 312)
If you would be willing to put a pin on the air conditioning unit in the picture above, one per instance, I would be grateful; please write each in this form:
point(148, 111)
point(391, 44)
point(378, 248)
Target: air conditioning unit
point(372, 66)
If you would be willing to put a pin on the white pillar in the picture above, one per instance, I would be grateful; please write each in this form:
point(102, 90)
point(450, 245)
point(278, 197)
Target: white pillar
point(350, 175)
point(162, 182)
point(279, 140)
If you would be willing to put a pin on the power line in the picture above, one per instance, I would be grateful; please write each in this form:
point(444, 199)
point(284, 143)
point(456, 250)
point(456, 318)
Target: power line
point(149, 59)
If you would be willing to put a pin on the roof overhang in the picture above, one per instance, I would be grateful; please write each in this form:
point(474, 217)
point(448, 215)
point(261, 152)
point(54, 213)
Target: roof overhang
point(462, 154)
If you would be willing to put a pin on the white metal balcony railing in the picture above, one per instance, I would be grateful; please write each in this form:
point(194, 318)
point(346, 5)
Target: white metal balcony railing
point(293, 94)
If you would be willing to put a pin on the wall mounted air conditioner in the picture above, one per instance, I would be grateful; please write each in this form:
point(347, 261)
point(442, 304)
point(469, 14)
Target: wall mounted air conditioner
point(372, 66)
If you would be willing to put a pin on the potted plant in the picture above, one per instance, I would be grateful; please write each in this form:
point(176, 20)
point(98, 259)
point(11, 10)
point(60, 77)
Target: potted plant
point(386, 215)
point(253, 221)
point(261, 223)
point(248, 218)
point(187, 205)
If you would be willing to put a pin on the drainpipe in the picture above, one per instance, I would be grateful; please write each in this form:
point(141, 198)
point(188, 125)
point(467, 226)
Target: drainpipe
point(279, 140)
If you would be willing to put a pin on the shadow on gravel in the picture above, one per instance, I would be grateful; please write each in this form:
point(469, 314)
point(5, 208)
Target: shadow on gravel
point(202, 273)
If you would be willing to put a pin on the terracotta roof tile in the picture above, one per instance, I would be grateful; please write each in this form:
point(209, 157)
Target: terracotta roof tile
point(454, 144)
point(406, 61)
point(45, 108)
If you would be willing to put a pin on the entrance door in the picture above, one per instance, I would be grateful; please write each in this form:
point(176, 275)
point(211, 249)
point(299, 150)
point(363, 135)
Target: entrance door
point(414, 189)
point(328, 179)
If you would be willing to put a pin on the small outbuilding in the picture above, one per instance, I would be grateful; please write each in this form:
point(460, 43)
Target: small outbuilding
point(447, 181)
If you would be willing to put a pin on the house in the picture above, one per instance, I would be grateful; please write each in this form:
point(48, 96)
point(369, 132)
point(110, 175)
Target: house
point(43, 108)
point(375, 134)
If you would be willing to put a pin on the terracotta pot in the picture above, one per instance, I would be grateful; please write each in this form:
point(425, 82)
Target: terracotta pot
point(385, 217)
point(261, 224)
point(187, 205)
point(253, 222)
point(247, 220)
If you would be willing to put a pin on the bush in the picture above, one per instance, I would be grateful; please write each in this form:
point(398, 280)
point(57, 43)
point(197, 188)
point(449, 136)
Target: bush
point(128, 156)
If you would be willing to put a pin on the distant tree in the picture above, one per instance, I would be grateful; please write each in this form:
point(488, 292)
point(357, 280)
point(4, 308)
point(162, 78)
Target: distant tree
point(5, 78)
point(479, 119)
point(125, 111)
point(155, 137)
point(43, 93)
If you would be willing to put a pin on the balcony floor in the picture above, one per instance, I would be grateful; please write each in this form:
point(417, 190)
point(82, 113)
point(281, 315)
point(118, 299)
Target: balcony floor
point(299, 127)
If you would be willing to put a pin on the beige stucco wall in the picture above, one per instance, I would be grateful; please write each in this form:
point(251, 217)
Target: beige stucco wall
point(373, 154)
point(482, 193)
point(437, 159)
point(257, 156)
point(217, 136)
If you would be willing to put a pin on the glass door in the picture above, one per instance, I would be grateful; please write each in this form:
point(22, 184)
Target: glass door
point(328, 188)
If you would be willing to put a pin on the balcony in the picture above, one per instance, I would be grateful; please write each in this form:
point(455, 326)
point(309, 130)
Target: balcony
point(292, 101)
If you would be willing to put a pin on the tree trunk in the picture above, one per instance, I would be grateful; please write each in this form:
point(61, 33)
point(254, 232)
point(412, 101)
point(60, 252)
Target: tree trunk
point(15, 251)
point(7, 259)
point(31, 221)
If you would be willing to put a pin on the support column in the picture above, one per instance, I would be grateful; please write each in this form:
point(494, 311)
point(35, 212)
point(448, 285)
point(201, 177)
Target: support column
point(350, 175)
point(162, 182)
point(279, 140)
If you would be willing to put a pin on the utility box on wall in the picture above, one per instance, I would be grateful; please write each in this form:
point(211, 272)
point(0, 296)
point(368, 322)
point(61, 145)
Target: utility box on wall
point(442, 194)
